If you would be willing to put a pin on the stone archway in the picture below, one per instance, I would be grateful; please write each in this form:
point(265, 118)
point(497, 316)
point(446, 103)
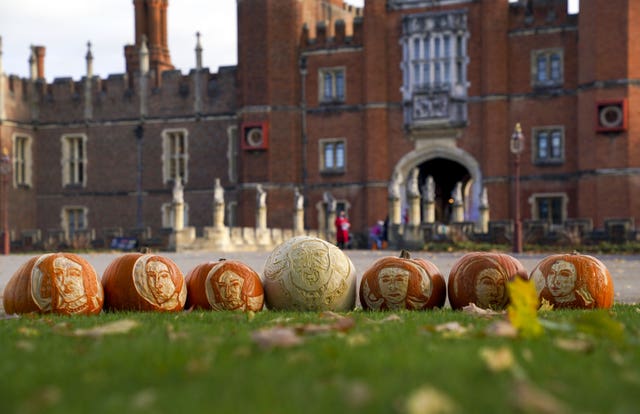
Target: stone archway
point(447, 165)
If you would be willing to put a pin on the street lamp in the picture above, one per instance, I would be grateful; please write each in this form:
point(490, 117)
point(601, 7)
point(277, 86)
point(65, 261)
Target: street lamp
point(517, 146)
point(5, 171)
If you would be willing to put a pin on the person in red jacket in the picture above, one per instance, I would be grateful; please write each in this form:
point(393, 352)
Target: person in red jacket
point(342, 229)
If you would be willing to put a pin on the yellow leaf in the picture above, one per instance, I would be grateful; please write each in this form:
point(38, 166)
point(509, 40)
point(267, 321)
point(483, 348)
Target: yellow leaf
point(112, 328)
point(523, 307)
point(428, 400)
point(498, 359)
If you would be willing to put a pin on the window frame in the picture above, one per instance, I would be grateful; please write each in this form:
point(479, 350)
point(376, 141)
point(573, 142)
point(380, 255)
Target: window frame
point(536, 142)
point(535, 209)
point(332, 72)
point(22, 160)
point(75, 163)
point(322, 148)
point(548, 55)
point(169, 156)
point(65, 222)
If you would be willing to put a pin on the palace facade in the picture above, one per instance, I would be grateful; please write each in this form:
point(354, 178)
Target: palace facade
point(350, 107)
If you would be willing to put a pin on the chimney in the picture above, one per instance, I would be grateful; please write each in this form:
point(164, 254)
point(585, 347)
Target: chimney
point(39, 52)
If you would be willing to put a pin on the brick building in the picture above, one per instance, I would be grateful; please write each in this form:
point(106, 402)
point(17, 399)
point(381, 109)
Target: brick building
point(339, 102)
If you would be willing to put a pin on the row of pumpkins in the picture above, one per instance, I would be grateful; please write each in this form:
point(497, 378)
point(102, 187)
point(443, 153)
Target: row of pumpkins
point(303, 273)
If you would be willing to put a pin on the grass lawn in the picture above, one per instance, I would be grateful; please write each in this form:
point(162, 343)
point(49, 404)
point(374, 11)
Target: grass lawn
point(291, 362)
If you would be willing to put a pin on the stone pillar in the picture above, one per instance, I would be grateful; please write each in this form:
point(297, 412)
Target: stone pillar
point(429, 201)
point(413, 198)
point(298, 213)
point(483, 224)
point(218, 236)
point(395, 212)
point(457, 215)
point(331, 207)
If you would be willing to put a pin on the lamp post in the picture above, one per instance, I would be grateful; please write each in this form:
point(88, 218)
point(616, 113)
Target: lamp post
point(5, 171)
point(517, 146)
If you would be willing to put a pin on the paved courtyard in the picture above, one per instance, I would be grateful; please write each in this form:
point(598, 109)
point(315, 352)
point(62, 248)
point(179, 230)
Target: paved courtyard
point(625, 270)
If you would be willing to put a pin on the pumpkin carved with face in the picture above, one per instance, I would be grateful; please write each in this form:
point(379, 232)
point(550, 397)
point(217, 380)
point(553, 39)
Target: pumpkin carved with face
point(62, 283)
point(402, 283)
point(149, 282)
point(224, 285)
point(573, 281)
point(481, 278)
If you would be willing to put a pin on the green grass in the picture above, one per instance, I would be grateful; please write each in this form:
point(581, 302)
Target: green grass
point(208, 362)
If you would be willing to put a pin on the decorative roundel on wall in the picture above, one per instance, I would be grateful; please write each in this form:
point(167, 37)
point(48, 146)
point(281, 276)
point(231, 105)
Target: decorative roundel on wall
point(611, 116)
point(255, 138)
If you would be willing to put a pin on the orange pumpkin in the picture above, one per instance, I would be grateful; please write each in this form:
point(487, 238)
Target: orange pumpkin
point(147, 282)
point(62, 283)
point(481, 278)
point(402, 283)
point(573, 281)
point(224, 285)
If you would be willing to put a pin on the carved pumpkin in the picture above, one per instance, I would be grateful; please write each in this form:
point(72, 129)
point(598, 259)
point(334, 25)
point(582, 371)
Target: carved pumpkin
point(402, 283)
point(147, 282)
point(574, 281)
point(308, 273)
point(224, 285)
point(481, 278)
point(62, 283)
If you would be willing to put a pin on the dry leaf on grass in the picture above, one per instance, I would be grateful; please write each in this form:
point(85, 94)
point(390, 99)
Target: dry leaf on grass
point(277, 337)
point(357, 394)
point(29, 332)
point(429, 400)
point(498, 359)
point(113, 328)
point(575, 345)
point(501, 329)
point(529, 398)
point(473, 309)
point(173, 335)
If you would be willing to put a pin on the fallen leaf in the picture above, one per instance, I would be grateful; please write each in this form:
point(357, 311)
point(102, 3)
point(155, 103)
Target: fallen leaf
point(545, 306)
point(173, 335)
point(331, 315)
point(528, 398)
point(357, 394)
point(498, 359)
point(26, 346)
point(113, 328)
point(144, 399)
point(473, 309)
point(575, 345)
point(277, 337)
point(429, 400)
point(30, 332)
point(357, 340)
point(523, 307)
point(501, 329)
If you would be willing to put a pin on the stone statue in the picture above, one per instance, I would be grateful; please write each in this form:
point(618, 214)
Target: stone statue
point(429, 190)
point(484, 198)
point(457, 194)
point(332, 205)
point(298, 200)
point(394, 185)
point(261, 197)
point(178, 191)
point(412, 184)
point(218, 193)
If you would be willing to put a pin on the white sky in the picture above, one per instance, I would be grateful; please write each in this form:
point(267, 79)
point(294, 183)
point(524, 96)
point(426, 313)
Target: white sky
point(64, 27)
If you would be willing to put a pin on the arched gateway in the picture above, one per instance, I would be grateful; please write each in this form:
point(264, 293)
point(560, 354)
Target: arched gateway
point(448, 165)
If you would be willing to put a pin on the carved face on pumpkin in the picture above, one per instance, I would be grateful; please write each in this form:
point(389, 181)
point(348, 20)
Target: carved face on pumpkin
point(230, 287)
point(393, 282)
point(67, 277)
point(160, 283)
point(561, 281)
point(490, 289)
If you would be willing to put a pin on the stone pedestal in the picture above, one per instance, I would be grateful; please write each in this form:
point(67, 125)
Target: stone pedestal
point(180, 240)
point(414, 211)
point(457, 214)
point(298, 223)
point(395, 213)
point(261, 218)
point(483, 223)
point(429, 212)
point(178, 216)
point(218, 215)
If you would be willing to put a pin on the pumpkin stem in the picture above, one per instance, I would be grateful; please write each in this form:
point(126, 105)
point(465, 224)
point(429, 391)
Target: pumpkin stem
point(575, 252)
point(222, 259)
point(404, 254)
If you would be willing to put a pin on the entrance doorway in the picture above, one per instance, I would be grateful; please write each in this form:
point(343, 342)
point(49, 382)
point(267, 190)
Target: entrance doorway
point(446, 174)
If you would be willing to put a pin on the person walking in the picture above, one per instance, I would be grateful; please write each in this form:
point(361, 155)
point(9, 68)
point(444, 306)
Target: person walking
point(342, 229)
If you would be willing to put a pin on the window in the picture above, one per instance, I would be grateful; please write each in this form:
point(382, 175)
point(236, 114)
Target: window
point(332, 84)
point(74, 160)
point(332, 155)
point(22, 161)
point(551, 208)
point(434, 66)
point(546, 67)
point(548, 145)
point(175, 155)
point(74, 219)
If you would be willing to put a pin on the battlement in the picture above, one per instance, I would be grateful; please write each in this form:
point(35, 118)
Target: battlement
point(538, 14)
point(340, 38)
